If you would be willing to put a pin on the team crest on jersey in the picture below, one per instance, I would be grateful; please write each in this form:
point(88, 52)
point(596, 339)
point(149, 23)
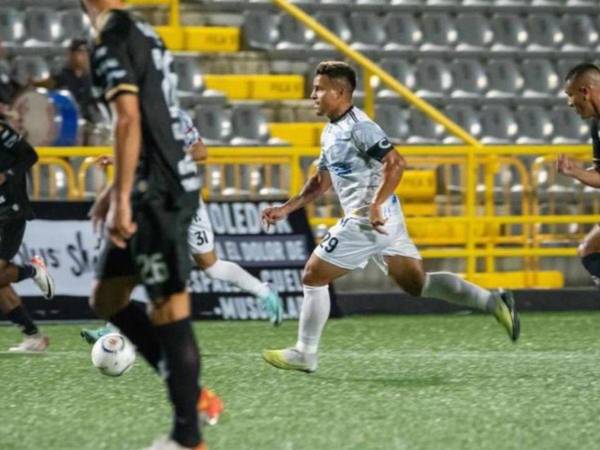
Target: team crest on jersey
point(341, 168)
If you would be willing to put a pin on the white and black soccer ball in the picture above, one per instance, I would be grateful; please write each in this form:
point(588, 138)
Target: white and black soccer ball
point(113, 354)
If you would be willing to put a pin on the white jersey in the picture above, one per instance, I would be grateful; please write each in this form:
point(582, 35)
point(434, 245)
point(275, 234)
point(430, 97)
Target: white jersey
point(351, 150)
point(190, 132)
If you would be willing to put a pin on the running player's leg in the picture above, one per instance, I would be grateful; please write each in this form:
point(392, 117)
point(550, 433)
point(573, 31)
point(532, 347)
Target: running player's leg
point(110, 300)
point(11, 236)
point(201, 241)
point(163, 266)
point(589, 252)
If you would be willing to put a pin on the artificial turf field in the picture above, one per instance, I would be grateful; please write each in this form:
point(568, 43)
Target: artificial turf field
point(389, 383)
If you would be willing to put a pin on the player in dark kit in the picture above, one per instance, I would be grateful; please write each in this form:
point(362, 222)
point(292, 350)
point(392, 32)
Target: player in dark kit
point(582, 86)
point(16, 157)
point(152, 201)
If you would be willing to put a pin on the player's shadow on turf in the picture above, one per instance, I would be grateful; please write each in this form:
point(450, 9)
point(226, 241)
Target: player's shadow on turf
point(389, 382)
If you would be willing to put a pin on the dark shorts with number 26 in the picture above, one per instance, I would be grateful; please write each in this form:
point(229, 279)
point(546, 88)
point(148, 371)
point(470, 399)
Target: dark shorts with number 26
point(157, 254)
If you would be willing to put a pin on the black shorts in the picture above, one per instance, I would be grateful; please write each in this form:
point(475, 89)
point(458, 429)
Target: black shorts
point(11, 237)
point(157, 254)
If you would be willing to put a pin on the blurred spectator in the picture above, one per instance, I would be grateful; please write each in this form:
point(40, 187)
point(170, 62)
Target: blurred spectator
point(75, 77)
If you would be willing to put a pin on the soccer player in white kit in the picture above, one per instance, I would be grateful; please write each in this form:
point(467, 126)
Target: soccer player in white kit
point(201, 242)
point(364, 169)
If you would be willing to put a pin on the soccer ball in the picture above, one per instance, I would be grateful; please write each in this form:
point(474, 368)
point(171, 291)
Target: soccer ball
point(113, 354)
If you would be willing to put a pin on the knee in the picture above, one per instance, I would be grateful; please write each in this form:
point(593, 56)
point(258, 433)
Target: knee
point(411, 283)
point(310, 277)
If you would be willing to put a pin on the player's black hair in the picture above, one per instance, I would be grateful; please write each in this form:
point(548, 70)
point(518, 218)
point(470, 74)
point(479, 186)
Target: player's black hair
point(581, 69)
point(337, 69)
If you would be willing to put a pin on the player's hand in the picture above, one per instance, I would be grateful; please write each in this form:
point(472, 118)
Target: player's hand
point(119, 222)
point(104, 161)
point(198, 151)
point(273, 214)
point(99, 210)
point(376, 219)
point(566, 166)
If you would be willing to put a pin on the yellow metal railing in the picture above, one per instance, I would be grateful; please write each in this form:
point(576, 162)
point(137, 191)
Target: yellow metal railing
point(482, 239)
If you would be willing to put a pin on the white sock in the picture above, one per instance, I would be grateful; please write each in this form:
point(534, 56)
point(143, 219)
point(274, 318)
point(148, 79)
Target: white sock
point(314, 315)
point(452, 288)
point(234, 274)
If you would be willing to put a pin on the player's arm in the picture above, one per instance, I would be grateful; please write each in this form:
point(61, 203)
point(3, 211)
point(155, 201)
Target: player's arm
point(128, 139)
point(314, 187)
point(569, 168)
point(393, 165)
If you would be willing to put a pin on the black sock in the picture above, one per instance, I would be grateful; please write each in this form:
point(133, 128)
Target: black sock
point(134, 323)
point(183, 367)
point(25, 271)
point(591, 263)
point(21, 317)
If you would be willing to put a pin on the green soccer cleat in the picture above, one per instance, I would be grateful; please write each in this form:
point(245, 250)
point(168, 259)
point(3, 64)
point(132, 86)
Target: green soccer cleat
point(506, 314)
point(291, 359)
point(91, 336)
point(273, 305)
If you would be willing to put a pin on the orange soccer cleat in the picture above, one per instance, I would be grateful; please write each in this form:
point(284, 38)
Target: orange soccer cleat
point(210, 406)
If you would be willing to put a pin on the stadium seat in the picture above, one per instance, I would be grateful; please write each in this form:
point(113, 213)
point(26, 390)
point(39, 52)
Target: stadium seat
point(75, 24)
point(564, 65)
point(474, 31)
point(189, 74)
point(498, 125)
point(402, 31)
point(509, 32)
point(337, 24)
point(568, 127)
point(249, 126)
point(393, 120)
point(535, 125)
point(504, 78)
point(401, 70)
point(293, 34)
point(43, 27)
point(540, 77)
point(580, 32)
point(367, 33)
point(434, 79)
point(470, 79)
point(213, 123)
point(466, 117)
point(260, 30)
point(423, 130)
point(30, 68)
point(12, 26)
point(439, 31)
point(544, 32)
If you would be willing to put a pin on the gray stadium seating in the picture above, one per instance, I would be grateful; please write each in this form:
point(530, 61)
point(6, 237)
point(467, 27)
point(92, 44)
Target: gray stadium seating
point(580, 32)
point(367, 33)
point(498, 125)
point(26, 68)
point(401, 71)
point(261, 30)
point(467, 117)
point(509, 32)
point(474, 31)
point(402, 31)
point(439, 31)
point(43, 27)
point(504, 78)
point(12, 26)
point(541, 79)
point(470, 79)
point(544, 32)
point(213, 123)
point(75, 24)
point(336, 23)
point(434, 78)
point(293, 34)
point(423, 130)
point(249, 126)
point(535, 125)
point(568, 127)
point(393, 120)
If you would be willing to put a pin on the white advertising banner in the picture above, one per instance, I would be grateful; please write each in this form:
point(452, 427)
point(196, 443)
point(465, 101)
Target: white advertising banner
point(70, 249)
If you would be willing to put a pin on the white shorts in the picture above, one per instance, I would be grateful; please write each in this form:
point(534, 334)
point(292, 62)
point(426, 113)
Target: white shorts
point(201, 238)
point(351, 243)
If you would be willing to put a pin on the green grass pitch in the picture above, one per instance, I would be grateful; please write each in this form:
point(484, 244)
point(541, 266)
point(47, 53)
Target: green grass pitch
point(385, 383)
